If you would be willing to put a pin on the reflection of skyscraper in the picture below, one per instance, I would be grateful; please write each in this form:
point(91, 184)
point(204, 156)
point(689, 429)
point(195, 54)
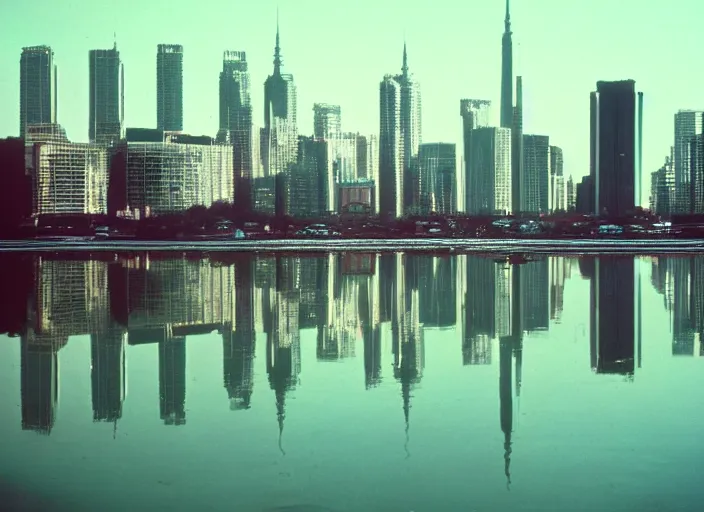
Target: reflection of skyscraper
point(438, 291)
point(535, 307)
point(683, 322)
point(239, 340)
point(40, 381)
point(407, 332)
point(371, 329)
point(615, 326)
point(283, 355)
point(107, 357)
point(172, 380)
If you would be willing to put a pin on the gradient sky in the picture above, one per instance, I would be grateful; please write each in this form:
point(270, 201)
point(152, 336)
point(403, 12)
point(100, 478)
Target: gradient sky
point(338, 52)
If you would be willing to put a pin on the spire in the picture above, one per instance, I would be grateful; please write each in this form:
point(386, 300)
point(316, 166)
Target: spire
point(404, 68)
point(277, 48)
point(507, 20)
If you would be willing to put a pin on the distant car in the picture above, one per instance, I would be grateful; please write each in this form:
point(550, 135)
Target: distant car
point(102, 232)
point(317, 231)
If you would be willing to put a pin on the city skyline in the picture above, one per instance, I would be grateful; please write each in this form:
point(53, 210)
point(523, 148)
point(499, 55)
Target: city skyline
point(441, 91)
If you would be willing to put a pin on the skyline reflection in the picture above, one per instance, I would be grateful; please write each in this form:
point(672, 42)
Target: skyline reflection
point(377, 307)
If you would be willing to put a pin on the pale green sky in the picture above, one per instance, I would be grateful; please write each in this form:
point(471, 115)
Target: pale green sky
point(338, 52)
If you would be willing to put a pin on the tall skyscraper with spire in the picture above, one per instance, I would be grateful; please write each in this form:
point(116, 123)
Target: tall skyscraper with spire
point(280, 134)
point(507, 72)
point(399, 141)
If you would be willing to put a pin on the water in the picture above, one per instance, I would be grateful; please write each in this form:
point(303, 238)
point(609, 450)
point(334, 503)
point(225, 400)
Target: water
point(351, 382)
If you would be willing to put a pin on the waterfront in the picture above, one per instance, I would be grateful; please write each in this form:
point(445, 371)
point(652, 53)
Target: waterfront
point(352, 382)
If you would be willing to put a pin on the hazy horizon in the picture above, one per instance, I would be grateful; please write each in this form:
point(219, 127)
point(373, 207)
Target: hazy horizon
point(339, 53)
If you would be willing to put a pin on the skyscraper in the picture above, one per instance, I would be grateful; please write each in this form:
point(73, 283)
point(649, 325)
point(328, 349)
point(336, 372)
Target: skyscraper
point(106, 96)
point(570, 190)
point(169, 87)
point(518, 175)
point(507, 72)
point(536, 174)
point(37, 87)
point(399, 154)
point(688, 124)
point(236, 123)
point(616, 147)
point(438, 178)
point(557, 180)
point(326, 121)
point(390, 149)
point(489, 172)
point(280, 134)
point(475, 114)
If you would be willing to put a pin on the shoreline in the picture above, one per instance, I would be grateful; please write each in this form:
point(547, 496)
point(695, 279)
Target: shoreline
point(579, 246)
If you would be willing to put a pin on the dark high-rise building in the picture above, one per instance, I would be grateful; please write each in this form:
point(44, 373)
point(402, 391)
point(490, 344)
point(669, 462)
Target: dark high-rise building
point(169, 87)
point(488, 182)
point(307, 193)
point(236, 123)
point(616, 131)
point(507, 72)
point(696, 175)
point(16, 190)
point(536, 174)
point(584, 196)
point(438, 179)
point(107, 357)
point(106, 96)
point(37, 87)
point(172, 380)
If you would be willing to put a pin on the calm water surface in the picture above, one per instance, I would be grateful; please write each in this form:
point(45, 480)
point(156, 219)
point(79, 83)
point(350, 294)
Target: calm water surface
point(390, 382)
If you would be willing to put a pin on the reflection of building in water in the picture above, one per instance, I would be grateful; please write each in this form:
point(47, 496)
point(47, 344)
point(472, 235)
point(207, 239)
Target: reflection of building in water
point(369, 319)
point(559, 274)
point(239, 339)
point(172, 379)
point(40, 380)
point(71, 296)
point(408, 342)
point(314, 291)
point(438, 291)
point(108, 384)
point(683, 317)
point(349, 276)
point(387, 284)
point(615, 314)
point(535, 295)
point(487, 312)
point(510, 361)
point(283, 355)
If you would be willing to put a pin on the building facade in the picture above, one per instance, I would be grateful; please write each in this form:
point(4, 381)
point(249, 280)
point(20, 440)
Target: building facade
point(236, 124)
point(688, 124)
point(169, 87)
point(326, 121)
point(38, 85)
point(616, 147)
point(438, 178)
point(558, 197)
point(67, 177)
point(391, 184)
point(106, 96)
point(489, 172)
point(475, 114)
point(536, 174)
point(168, 172)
